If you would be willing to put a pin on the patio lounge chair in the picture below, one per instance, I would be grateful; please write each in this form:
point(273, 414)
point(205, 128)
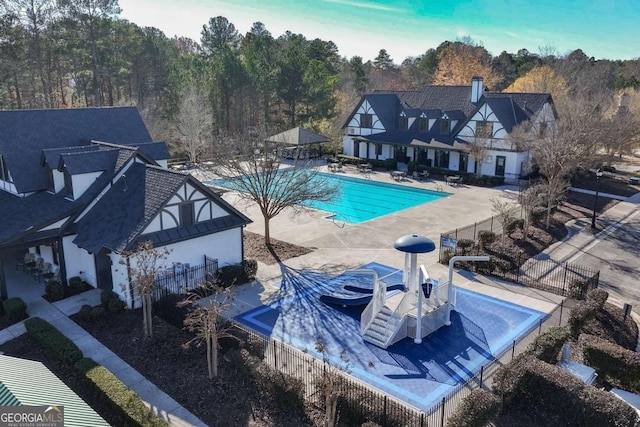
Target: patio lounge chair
point(37, 266)
point(25, 261)
point(46, 269)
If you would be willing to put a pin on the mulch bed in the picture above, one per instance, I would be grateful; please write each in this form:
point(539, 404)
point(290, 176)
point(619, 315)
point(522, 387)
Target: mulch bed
point(255, 248)
point(181, 371)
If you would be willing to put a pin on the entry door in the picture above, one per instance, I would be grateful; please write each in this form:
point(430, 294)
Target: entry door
point(356, 148)
point(103, 271)
point(464, 160)
point(500, 163)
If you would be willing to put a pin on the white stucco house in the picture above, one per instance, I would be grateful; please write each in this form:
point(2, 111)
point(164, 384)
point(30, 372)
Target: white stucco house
point(437, 125)
point(80, 187)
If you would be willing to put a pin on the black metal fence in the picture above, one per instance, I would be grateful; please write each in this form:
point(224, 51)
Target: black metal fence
point(566, 279)
point(183, 278)
point(360, 402)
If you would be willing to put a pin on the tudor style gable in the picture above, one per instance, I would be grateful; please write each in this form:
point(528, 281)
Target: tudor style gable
point(189, 205)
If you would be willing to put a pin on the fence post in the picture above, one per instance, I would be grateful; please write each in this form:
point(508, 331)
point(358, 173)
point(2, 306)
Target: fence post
point(481, 375)
point(564, 281)
point(474, 230)
point(275, 354)
point(540, 327)
point(561, 307)
point(444, 400)
point(513, 350)
point(384, 413)
point(422, 419)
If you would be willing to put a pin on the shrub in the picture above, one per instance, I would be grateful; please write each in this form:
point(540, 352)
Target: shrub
point(15, 309)
point(464, 245)
point(578, 288)
point(85, 312)
point(118, 396)
point(486, 237)
point(250, 267)
point(53, 340)
point(608, 168)
point(78, 287)
point(475, 410)
point(598, 297)
point(98, 312)
point(54, 291)
point(1, 306)
point(580, 315)
point(75, 281)
point(515, 225)
point(168, 310)
point(611, 361)
point(547, 346)
point(537, 215)
point(391, 164)
point(107, 296)
point(116, 305)
point(527, 383)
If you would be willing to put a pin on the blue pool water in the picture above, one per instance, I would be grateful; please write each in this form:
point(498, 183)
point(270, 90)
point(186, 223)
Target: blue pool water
point(418, 374)
point(361, 200)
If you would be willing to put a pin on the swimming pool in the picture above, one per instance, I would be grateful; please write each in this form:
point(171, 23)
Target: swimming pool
point(418, 374)
point(361, 200)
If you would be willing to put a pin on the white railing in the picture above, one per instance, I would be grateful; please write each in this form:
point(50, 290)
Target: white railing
point(377, 302)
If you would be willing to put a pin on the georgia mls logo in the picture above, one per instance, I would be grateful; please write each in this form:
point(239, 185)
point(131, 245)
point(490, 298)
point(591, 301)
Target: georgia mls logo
point(32, 416)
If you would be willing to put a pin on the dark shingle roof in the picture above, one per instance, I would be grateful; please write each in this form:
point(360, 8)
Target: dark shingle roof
point(123, 212)
point(91, 161)
point(25, 133)
point(514, 108)
point(23, 214)
point(436, 101)
point(51, 156)
point(116, 221)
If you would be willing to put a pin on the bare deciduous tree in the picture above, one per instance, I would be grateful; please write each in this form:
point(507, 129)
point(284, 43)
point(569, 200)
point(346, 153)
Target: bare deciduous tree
point(143, 265)
point(329, 382)
point(478, 152)
point(206, 322)
point(251, 165)
point(563, 146)
point(192, 123)
point(505, 211)
point(529, 199)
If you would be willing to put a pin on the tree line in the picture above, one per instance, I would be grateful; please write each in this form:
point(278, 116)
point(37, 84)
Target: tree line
point(77, 53)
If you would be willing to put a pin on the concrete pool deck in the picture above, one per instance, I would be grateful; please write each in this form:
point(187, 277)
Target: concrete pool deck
point(339, 246)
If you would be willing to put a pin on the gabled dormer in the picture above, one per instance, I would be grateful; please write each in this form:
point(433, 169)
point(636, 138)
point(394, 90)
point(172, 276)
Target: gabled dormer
point(80, 170)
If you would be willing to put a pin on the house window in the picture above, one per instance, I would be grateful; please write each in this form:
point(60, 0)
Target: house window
point(403, 123)
point(378, 149)
point(366, 120)
point(187, 216)
point(68, 185)
point(442, 159)
point(422, 124)
point(4, 170)
point(444, 126)
point(484, 129)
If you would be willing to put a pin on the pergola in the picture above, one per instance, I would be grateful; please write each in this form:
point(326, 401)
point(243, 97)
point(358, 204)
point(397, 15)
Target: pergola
point(297, 139)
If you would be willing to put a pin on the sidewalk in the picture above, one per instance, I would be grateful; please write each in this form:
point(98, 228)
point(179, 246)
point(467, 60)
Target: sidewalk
point(57, 314)
point(581, 238)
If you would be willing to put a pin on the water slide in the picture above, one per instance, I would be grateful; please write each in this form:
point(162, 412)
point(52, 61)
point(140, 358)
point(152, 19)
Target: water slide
point(356, 294)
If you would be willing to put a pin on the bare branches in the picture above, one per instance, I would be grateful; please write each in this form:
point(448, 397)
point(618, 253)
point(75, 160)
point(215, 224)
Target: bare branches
point(143, 266)
point(205, 321)
point(251, 166)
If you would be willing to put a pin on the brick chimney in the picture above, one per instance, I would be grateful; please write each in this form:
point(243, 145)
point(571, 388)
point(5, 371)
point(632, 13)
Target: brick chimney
point(476, 89)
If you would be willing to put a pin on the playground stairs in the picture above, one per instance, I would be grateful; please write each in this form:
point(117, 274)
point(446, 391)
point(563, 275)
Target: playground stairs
point(377, 332)
point(386, 327)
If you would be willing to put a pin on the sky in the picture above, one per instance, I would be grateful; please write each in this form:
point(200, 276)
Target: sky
point(604, 29)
